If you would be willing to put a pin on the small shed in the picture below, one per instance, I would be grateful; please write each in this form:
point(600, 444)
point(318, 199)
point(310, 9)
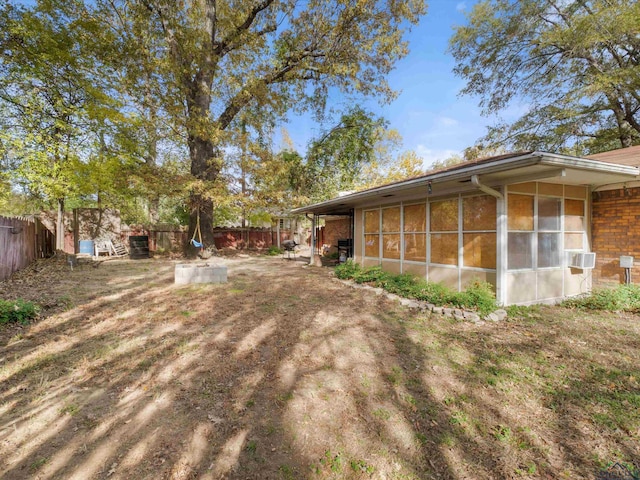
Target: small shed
point(520, 221)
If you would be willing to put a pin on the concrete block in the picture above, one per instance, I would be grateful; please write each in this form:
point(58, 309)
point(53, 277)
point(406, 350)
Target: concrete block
point(186, 273)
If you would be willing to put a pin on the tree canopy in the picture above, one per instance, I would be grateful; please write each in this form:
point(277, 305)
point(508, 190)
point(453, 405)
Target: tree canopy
point(222, 62)
point(574, 64)
point(99, 96)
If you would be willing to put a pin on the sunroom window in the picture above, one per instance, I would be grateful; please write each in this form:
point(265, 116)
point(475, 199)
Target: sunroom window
point(391, 233)
point(372, 233)
point(549, 231)
point(415, 232)
point(520, 226)
point(479, 231)
point(444, 232)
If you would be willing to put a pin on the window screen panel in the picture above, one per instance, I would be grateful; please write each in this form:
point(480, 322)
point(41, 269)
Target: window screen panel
point(548, 250)
point(415, 247)
point(372, 245)
point(372, 221)
point(479, 250)
point(444, 248)
point(391, 219)
point(444, 216)
point(391, 246)
point(415, 218)
point(520, 250)
point(479, 213)
point(574, 215)
point(549, 213)
point(520, 212)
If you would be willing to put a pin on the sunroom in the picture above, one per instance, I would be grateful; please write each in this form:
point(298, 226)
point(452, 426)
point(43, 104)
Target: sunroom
point(520, 222)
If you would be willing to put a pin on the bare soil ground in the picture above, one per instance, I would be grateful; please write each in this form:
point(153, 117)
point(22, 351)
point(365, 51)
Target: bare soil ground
point(285, 373)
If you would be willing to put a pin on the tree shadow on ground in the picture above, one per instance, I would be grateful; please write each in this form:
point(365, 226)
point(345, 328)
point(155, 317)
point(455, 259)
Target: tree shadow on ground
point(281, 373)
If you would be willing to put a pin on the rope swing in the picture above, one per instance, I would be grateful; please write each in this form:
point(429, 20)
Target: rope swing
point(197, 243)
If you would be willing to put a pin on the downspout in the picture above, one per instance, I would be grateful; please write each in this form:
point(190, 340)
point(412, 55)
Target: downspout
point(475, 180)
point(501, 239)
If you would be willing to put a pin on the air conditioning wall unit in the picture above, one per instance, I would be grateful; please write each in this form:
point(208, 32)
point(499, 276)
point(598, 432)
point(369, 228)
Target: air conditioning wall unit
point(583, 261)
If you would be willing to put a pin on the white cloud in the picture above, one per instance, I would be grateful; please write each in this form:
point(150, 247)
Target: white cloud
point(447, 121)
point(461, 6)
point(429, 156)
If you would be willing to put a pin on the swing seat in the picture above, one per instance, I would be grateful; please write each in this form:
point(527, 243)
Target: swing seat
point(196, 243)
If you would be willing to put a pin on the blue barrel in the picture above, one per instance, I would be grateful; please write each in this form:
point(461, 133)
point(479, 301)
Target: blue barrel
point(86, 247)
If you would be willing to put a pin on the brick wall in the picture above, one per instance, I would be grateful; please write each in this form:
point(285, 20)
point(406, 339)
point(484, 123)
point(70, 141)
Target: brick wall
point(335, 229)
point(615, 231)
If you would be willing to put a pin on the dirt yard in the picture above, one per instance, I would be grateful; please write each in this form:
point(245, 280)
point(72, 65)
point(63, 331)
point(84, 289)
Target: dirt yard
point(286, 373)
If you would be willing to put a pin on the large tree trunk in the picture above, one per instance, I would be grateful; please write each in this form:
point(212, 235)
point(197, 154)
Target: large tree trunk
point(204, 166)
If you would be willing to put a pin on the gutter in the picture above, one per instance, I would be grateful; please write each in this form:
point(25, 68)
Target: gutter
point(463, 173)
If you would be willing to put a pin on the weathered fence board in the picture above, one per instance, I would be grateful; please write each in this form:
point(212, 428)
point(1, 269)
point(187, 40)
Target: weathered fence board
point(22, 240)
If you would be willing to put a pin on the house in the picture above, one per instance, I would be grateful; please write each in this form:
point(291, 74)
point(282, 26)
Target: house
point(521, 221)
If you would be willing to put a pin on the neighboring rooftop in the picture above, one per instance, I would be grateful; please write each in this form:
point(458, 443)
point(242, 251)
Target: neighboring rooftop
point(629, 156)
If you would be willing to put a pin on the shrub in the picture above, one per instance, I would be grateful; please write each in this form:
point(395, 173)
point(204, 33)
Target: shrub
point(371, 275)
point(622, 297)
point(403, 285)
point(274, 250)
point(17, 311)
point(431, 292)
point(347, 270)
point(478, 295)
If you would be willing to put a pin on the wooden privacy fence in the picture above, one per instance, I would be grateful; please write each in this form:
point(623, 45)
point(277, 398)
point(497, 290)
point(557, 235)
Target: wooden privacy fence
point(22, 240)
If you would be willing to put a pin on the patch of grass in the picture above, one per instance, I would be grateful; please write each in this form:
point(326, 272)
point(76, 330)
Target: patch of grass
point(361, 466)
point(37, 464)
point(458, 418)
point(71, 409)
point(65, 302)
point(333, 461)
point(145, 364)
point(410, 399)
point(287, 472)
point(16, 338)
point(528, 469)
point(274, 250)
point(502, 433)
point(284, 397)
point(382, 413)
point(17, 311)
point(529, 313)
point(251, 446)
point(448, 440)
point(395, 376)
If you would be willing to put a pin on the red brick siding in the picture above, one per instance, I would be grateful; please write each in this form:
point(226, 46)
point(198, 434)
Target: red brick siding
point(615, 231)
point(339, 228)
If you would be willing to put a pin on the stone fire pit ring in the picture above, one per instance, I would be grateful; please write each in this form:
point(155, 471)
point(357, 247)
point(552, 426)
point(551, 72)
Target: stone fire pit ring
point(187, 273)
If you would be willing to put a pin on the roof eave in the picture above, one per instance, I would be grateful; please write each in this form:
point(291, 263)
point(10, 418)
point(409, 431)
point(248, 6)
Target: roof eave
point(533, 158)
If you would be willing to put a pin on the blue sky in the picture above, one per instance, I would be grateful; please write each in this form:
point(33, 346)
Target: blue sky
point(432, 118)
